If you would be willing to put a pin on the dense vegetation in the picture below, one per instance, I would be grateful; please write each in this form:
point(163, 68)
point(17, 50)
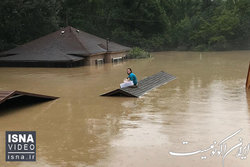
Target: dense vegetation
point(138, 53)
point(149, 24)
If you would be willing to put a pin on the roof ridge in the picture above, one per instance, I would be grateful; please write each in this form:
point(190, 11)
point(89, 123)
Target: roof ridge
point(78, 40)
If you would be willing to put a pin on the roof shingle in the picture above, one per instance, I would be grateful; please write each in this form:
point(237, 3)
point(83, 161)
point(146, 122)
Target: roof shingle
point(72, 45)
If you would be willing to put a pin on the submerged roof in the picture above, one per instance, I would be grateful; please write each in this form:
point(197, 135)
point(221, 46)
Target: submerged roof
point(144, 85)
point(8, 95)
point(67, 44)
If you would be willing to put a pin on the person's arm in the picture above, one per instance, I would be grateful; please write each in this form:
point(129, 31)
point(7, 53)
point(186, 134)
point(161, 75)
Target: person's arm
point(129, 78)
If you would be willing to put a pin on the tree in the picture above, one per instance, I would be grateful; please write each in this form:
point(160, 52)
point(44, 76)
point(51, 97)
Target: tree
point(24, 20)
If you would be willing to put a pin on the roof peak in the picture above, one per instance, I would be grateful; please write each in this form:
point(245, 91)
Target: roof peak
point(67, 40)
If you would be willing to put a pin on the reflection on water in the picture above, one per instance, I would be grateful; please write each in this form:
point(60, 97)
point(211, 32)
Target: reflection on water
point(206, 103)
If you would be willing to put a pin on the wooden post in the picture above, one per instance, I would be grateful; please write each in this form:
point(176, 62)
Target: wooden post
point(248, 79)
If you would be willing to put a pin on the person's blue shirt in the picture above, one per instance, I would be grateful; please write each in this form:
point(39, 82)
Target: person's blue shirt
point(133, 78)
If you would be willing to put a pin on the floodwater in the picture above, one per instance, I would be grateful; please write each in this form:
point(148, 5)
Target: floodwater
point(206, 103)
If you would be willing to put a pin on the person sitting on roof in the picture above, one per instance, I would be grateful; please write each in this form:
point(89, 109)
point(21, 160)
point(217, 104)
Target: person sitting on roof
point(131, 81)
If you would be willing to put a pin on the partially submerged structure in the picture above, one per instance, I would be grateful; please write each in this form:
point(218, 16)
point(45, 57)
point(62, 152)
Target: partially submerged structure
point(248, 79)
point(19, 98)
point(8, 95)
point(67, 47)
point(144, 85)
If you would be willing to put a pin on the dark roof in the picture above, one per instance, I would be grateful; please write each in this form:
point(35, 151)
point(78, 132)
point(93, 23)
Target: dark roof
point(72, 46)
point(144, 85)
point(8, 95)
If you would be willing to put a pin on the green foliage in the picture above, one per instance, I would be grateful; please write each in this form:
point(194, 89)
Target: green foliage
point(22, 21)
point(138, 53)
point(148, 24)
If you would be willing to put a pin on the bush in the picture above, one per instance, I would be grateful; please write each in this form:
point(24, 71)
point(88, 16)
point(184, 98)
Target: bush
point(201, 47)
point(138, 53)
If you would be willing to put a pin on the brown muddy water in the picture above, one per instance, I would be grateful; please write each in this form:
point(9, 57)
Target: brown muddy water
point(206, 103)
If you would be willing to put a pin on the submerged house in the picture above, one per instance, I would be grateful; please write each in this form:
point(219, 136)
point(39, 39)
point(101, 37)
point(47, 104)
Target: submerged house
point(67, 47)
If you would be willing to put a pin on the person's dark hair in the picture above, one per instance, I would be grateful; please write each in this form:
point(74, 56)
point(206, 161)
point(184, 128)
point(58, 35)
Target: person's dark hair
point(130, 69)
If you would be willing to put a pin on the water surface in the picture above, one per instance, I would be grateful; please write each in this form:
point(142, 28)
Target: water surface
point(206, 102)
